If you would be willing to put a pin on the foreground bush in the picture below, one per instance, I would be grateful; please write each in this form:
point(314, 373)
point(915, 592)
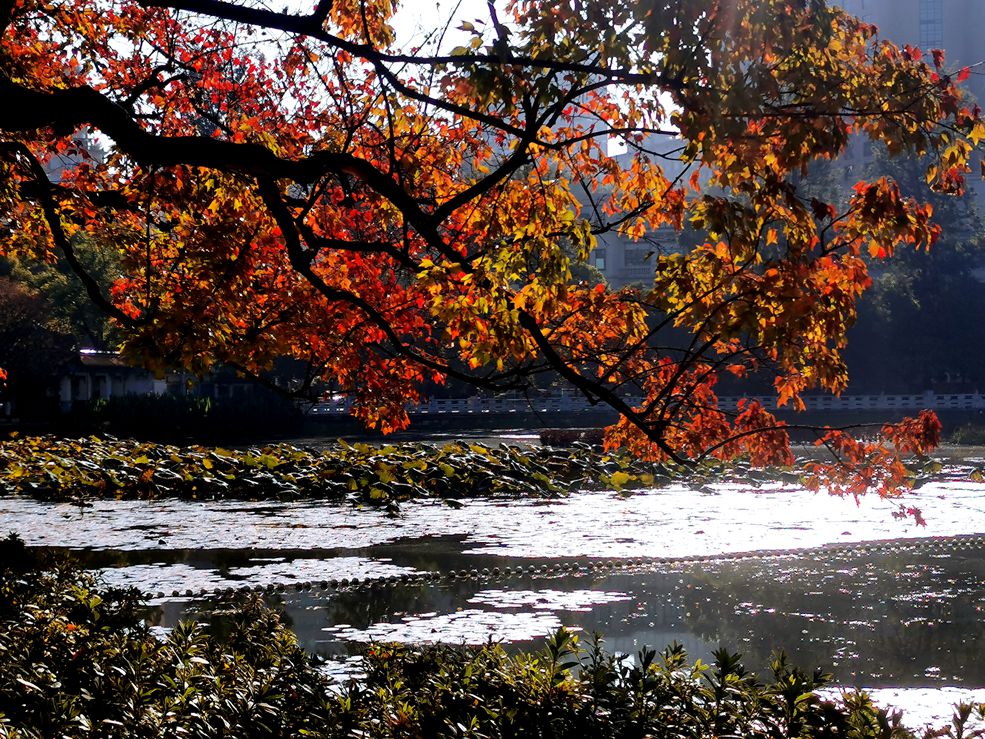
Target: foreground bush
point(77, 661)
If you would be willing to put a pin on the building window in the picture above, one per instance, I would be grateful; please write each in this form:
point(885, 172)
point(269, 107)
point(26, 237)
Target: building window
point(80, 387)
point(638, 257)
point(932, 23)
point(600, 260)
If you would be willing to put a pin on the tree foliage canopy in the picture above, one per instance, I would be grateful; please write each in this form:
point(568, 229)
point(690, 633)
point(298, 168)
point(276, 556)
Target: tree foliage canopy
point(303, 185)
point(32, 345)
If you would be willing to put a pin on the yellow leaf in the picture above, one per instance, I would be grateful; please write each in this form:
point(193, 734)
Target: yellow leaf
point(385, 472)
point(618, 480)
point(977, 133)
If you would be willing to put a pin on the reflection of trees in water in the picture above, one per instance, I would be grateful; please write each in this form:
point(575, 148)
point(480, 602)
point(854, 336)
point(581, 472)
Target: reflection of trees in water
point(871, 618)
point(875, 618)
point(310, 613)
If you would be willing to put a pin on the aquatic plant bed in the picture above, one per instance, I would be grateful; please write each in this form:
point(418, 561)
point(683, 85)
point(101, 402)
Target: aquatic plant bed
point(51, 468)
point(78, 660)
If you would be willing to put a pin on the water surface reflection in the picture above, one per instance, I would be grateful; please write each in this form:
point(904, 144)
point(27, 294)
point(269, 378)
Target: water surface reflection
point(874, 619)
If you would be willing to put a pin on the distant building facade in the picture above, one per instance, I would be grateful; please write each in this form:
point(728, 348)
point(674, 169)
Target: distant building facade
point(955, 26)
point(97, 375)
point(84, 146)
point(624, 261)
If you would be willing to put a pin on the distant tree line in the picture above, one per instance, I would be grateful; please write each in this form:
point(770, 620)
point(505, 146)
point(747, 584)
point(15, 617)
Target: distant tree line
point(922, 325)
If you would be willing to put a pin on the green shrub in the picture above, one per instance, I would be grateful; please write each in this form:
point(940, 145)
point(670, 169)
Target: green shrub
point(969, 434)
point(176, 417)
point(77, 660)
point(570, 691)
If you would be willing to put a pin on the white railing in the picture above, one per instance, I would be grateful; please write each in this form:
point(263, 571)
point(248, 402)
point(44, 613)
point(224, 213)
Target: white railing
point(566, 403)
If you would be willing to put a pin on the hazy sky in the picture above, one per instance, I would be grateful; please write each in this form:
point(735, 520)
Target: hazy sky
point(416, 18)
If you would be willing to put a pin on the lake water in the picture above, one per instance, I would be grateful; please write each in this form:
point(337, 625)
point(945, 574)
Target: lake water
point(909, 623)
